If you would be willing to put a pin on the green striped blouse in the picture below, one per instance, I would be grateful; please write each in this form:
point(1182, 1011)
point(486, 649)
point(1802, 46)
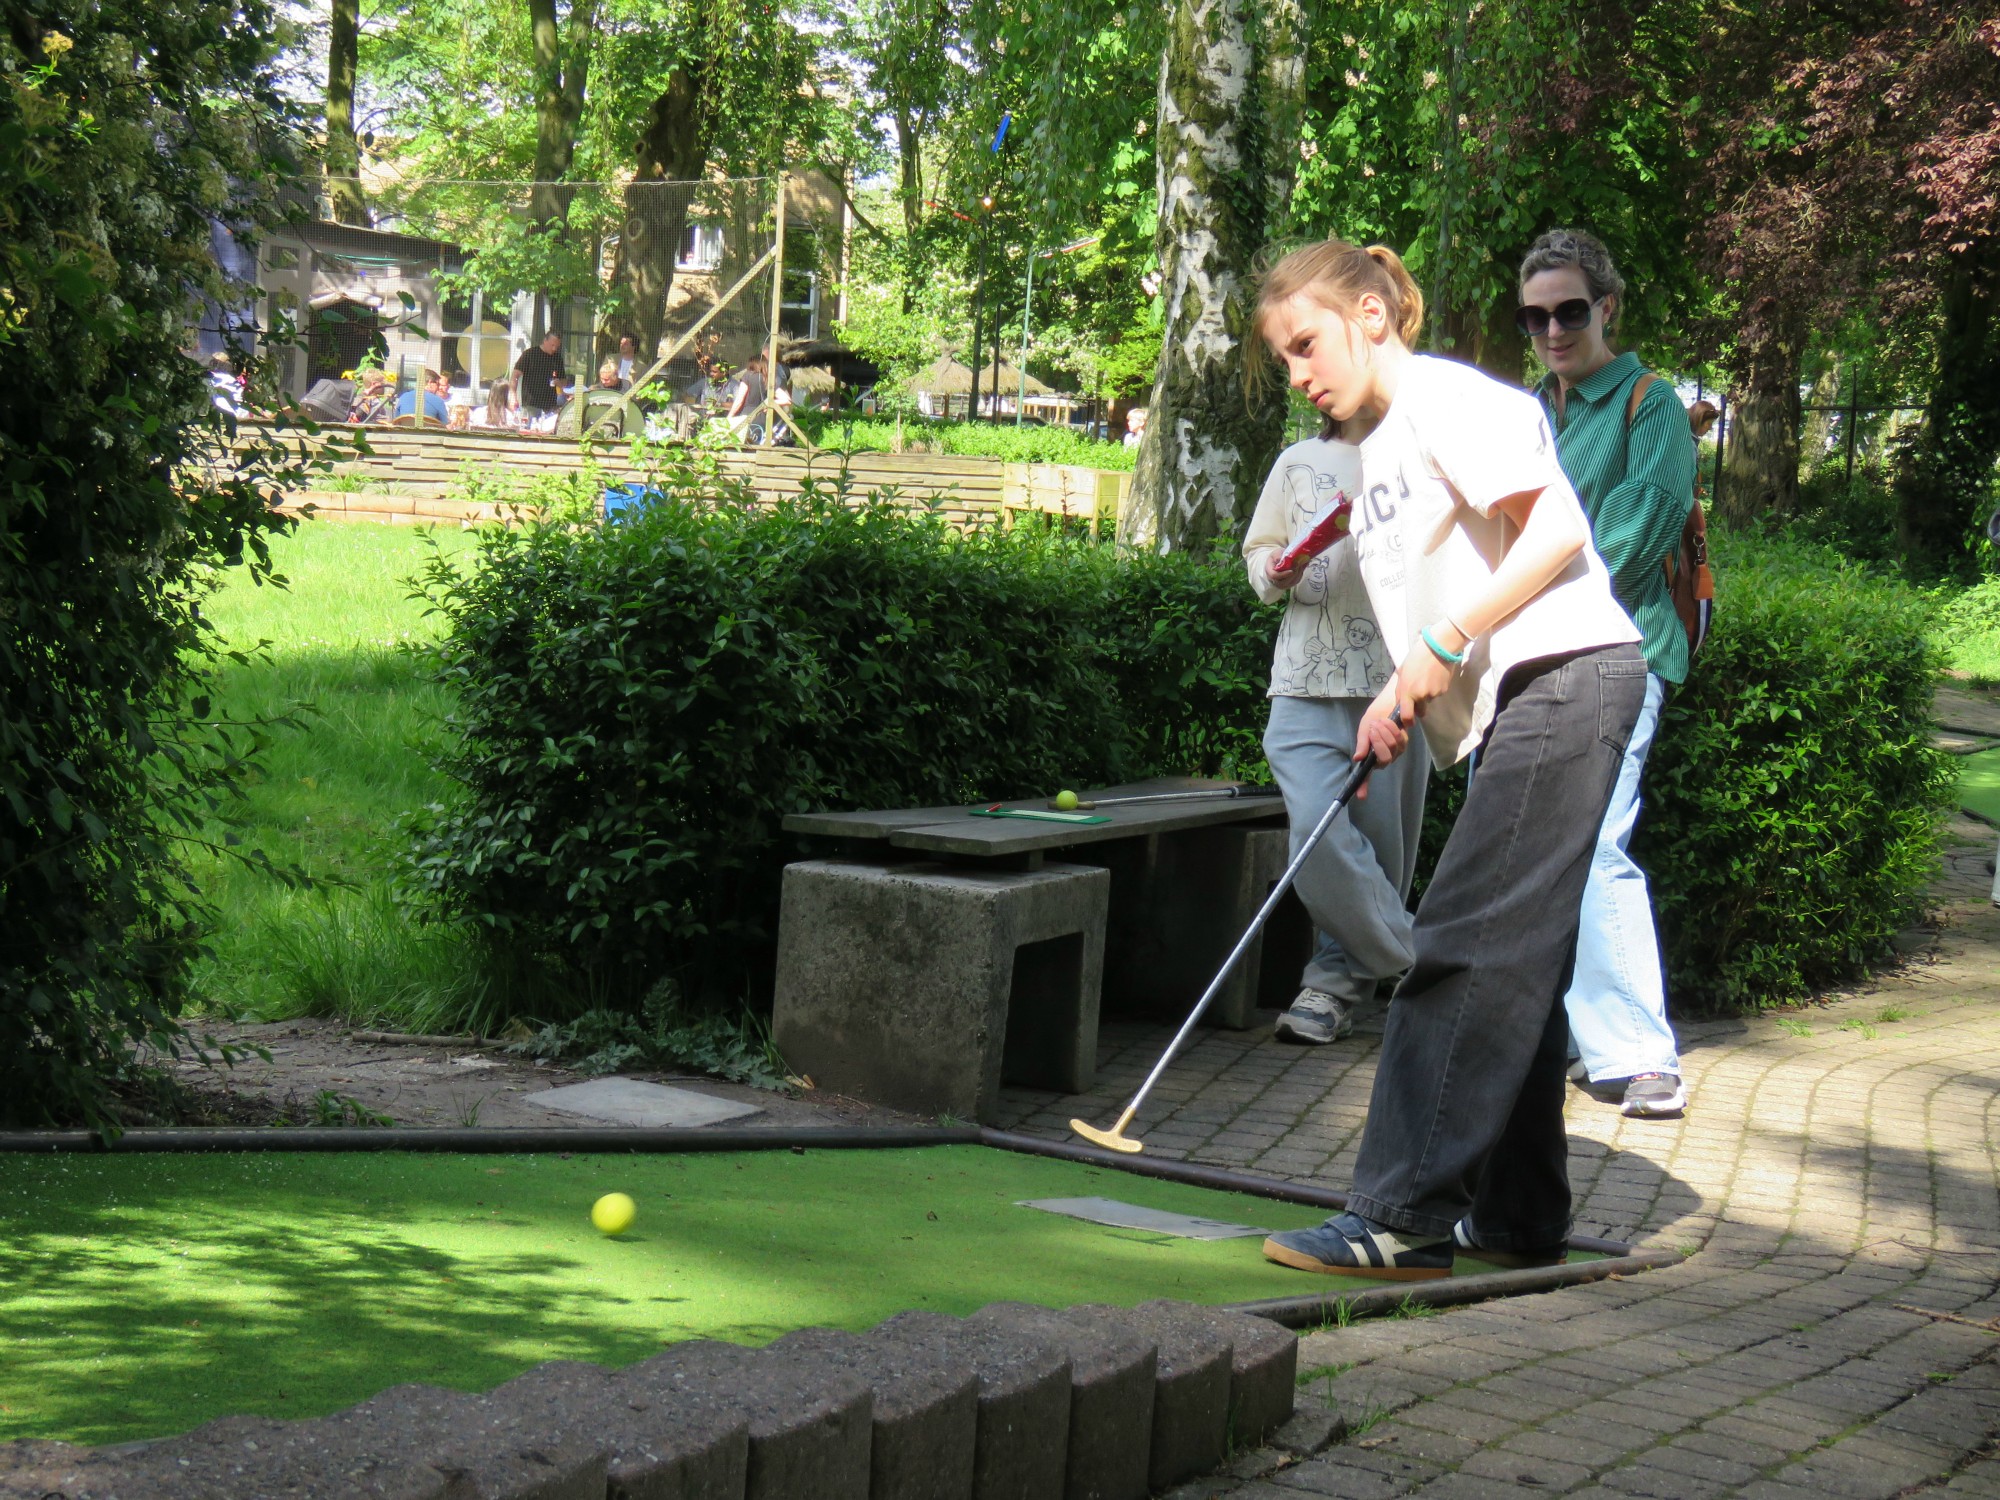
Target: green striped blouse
point(1637, 487)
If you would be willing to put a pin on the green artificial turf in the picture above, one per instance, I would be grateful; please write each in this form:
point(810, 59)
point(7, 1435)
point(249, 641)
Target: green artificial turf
point(1979, 784)
point(144, 1294)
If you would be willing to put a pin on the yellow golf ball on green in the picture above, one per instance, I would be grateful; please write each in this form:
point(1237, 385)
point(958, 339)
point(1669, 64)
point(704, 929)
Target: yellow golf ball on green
point(613, 1213)
point(1066, 801)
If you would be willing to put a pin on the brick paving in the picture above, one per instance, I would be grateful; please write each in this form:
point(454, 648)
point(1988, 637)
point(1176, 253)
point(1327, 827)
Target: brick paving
point(1834, 1187)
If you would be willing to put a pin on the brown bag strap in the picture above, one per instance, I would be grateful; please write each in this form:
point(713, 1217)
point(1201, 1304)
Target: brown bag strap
point(1639, 388)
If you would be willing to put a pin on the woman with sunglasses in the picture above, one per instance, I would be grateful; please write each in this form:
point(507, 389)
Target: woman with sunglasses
point(1633, 468)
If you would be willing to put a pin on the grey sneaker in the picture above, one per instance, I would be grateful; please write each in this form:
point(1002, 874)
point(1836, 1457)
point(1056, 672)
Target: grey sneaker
point(1315, 1018)
point(1655, 1096)
point(1604, 1090)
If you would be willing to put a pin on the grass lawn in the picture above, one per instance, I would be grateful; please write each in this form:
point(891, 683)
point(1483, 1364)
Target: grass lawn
point(329, 791)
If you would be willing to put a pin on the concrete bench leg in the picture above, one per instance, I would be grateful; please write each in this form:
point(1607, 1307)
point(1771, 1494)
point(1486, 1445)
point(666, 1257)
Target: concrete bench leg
point(922, 985)
point(1180, 901)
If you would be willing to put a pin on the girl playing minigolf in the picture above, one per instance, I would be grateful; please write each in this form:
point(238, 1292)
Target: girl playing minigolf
point(1507, 641)
point(1330, 661)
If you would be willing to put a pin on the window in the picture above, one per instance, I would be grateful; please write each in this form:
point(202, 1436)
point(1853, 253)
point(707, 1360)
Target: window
point(799, 310)
point(476, 349)
point(701, 247)
point(281, 258)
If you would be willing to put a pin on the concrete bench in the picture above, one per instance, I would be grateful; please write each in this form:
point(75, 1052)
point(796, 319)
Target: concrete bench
point(941, 953)
point(924, 985)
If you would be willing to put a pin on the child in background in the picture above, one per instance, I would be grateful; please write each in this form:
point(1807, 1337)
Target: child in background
point(1329, 663)
point(1507, 641)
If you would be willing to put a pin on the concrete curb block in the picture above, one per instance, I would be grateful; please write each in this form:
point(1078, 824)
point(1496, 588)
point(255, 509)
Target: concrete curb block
point(810, 1427)
point(1264, 1366)
point(1190, 1390)
point(1022, 1446)
point(926, 1419)
point(1112, 1372)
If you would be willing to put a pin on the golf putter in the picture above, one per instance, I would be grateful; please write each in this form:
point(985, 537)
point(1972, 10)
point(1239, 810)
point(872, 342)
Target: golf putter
point(1115, 1139)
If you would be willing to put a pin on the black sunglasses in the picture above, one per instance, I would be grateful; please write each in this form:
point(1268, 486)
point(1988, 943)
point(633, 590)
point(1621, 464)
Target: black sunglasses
point(1569, 316)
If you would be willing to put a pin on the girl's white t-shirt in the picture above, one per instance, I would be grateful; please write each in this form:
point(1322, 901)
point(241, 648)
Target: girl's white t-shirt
point(1328, 643)
point(1454, 443)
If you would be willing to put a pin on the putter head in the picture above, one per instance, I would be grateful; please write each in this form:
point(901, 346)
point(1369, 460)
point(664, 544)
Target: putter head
point(1111, 1140)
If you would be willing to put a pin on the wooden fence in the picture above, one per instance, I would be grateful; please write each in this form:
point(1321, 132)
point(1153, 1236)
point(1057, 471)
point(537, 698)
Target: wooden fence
point(413, 476)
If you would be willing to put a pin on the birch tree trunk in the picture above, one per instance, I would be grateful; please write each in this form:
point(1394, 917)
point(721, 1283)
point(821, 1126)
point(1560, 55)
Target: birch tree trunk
point(1231, 96)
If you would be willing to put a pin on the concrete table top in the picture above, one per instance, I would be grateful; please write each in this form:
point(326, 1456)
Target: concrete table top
point(954, 830)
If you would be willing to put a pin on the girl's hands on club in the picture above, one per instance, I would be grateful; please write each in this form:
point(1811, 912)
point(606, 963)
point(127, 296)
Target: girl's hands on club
point(1423, 677)
point(1379, 733)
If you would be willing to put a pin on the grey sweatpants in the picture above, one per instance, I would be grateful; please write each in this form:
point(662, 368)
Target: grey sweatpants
point(1356, 882)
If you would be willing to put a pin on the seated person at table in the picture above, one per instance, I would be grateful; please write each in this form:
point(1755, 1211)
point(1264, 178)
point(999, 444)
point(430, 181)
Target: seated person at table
point(499, 408)
point(608, 378)
point(432, 397)
point(372, 398)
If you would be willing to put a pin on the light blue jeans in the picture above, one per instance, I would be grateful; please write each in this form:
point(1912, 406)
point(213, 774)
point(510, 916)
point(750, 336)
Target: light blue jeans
point(1355, 885)
point(1617, 1000)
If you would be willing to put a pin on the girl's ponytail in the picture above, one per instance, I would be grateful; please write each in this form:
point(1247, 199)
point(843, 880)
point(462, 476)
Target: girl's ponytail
point(1408, 303)
point(1336, 274)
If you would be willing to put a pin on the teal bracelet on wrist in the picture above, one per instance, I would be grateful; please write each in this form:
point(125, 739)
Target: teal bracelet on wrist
point(1449, 658)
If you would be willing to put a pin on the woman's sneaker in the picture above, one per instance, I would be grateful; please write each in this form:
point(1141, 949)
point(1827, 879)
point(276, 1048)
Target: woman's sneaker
point(1655, 1096)
point(1513, 1260)
point(1349, 1245)
point(1315, 1018)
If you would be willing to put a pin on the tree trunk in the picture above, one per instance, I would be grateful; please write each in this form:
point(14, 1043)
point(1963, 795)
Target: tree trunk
point(560, 75)
point(343, 151)
point(1949, 472)
point(910, 166)
point(1760, 470)
point(1486, 336)
point(1231, 96)
point(673, 149)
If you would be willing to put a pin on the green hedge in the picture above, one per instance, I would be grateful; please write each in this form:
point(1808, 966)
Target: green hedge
point(1794, 795)
point(641, 705)
point(1020, 445)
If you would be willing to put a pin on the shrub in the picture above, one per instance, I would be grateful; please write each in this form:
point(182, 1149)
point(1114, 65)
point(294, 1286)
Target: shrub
point(1190, 648)
point(1968, 628)
point(130, 136)
point(640, 705)
point(1794, 794)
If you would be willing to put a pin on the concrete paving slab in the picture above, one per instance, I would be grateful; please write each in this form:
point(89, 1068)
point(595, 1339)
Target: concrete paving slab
point(632, 1101)
point(1116, 1215)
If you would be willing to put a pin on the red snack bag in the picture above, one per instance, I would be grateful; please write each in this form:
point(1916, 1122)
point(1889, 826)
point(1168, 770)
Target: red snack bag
point(1327, 530)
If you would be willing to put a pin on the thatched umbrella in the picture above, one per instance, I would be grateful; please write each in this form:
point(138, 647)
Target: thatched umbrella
point(948, 377)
